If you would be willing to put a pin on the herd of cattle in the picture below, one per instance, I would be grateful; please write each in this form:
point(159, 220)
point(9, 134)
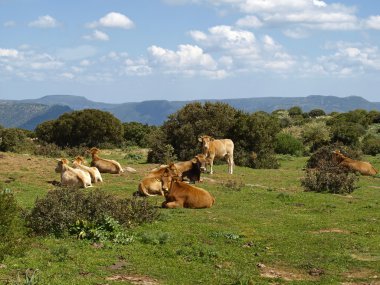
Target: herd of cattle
point(172, 181)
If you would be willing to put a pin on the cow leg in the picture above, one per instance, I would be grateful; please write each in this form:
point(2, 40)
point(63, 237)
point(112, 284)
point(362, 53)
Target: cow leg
point(211, 164)
point(172, 205)
point(230, 161)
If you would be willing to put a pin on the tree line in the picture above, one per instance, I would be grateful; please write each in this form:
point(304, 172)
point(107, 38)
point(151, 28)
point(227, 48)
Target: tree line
point(258, 136)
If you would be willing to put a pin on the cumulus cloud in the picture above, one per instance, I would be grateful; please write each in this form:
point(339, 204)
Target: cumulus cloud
point(44, 22)
point(188, 60)
point(97, 36)
point(350, 58)
point(113, 20)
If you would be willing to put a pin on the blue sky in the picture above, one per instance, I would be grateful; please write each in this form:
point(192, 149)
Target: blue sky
point(134, 50)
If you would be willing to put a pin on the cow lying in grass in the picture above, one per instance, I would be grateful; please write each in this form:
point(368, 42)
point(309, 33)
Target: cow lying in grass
point(182, 195)
point(78, 163)
point(71, 176)
point(192, 169)
point(151, 184)
point(363, 167)
point(104, 165)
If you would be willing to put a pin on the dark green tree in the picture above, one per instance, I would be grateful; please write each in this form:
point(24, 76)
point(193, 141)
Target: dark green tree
point(136, 133)
point(316, 113)
point(88, 127)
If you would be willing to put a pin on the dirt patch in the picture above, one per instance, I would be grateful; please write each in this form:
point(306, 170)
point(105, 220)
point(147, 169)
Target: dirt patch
point(361, 273)
point(286, 274)
point(332, 230)
point(134, 279)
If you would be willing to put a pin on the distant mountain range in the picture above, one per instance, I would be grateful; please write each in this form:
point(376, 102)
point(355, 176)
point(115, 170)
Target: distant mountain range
point(29, 113)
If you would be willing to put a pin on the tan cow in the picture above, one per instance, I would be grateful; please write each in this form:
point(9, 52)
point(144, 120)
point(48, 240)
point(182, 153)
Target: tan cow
point(182, 195)
point(363, 167)
point(93, 171)
point(223, 148)
point(151, 185)
point(104, 165)
point(71, 176)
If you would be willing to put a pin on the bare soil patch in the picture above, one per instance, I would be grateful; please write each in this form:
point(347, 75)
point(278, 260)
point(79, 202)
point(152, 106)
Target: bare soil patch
point(286, 274)
point(134, 279)
point(332, 230)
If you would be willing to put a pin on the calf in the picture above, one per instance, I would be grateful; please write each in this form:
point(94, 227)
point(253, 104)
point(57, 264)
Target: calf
point(71, 176)
point(93, 171)
point(182, 195)
point(104, 165)
point(213, 148)
point(363, 167)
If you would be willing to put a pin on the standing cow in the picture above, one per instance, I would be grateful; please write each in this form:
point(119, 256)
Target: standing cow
point(223, 148)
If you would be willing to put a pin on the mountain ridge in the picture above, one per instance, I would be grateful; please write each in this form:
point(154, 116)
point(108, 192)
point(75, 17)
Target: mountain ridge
point(28, 113)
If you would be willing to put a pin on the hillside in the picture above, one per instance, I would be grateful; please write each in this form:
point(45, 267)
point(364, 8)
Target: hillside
point(29, 113)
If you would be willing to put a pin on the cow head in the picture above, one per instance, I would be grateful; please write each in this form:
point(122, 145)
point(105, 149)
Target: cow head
point(93, 150)
point(205, 140)
point(338, 156)
point(200, 160)
point(170, 175)
point(60, 163)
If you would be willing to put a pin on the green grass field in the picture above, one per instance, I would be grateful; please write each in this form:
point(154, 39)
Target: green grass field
point(263, 229)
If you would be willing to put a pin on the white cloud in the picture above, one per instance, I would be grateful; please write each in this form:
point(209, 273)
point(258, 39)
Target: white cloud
point(188, 60)
point(113, 20)
point(373, 22)
point(138, 67)
point(8, 52)
point(44, 22)
point(97, 36)
point(349, 59)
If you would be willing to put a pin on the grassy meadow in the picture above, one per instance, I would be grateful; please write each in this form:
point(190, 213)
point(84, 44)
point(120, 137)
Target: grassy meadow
point(263, 229)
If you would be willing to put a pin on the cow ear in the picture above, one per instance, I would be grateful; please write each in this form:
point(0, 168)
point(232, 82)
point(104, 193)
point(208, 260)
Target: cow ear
point(194, 160)
point(200, 139)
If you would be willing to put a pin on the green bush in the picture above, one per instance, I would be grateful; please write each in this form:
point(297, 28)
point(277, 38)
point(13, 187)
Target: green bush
point(62, 208)
point(287, 144)
point(14, 140)
point(12, 232)
point(371, 145)
point(323, 173)
point(330, 178)
point(88, 127)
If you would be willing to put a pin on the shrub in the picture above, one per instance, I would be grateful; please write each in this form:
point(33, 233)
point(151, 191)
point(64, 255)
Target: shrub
point(323, 173)
point(329, 177)
point(63, 207)
point(88, 127)
point(48, 149)
point(325, 154)
point(14, 140)
point(371, 145)
point(315, 134)
point(287, 144)
point(12, 233)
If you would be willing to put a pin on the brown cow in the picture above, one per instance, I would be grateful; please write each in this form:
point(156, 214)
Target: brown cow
point(223, 148)
point(182, 195)
point(151, 185)
point(104, 165)
point(363, 167)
